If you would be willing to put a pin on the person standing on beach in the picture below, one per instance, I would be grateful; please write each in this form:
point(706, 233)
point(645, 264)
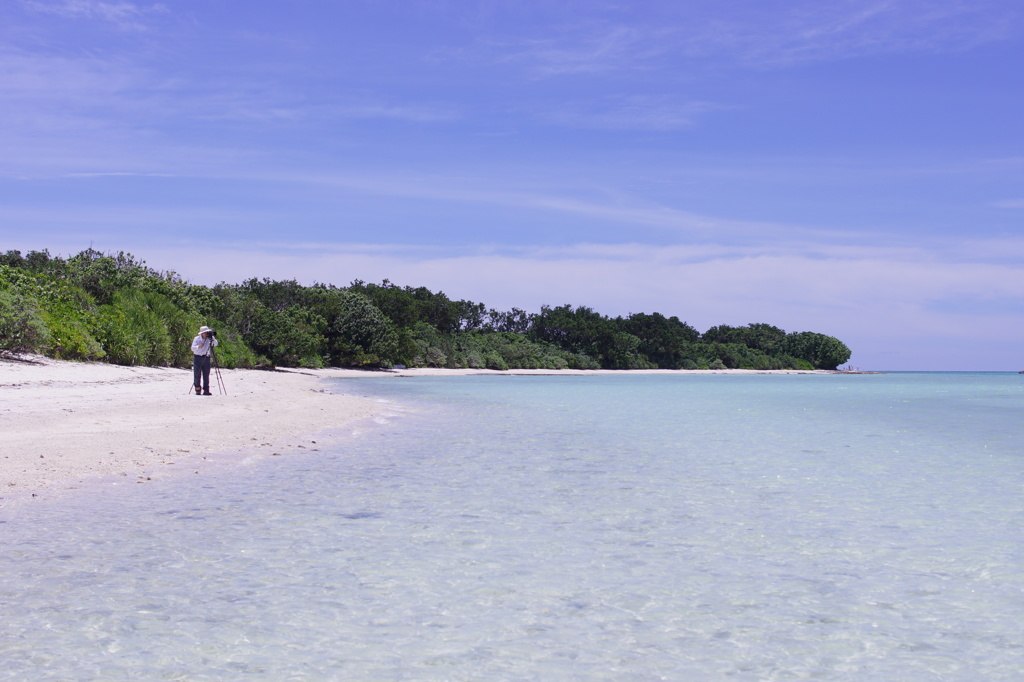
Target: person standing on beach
point(202, 347)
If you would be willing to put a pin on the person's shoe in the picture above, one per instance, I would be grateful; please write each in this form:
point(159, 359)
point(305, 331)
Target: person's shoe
point(198, 391)
point(207, 393)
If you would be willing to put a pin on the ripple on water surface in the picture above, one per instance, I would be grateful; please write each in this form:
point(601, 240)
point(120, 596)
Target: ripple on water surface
point(615, 528)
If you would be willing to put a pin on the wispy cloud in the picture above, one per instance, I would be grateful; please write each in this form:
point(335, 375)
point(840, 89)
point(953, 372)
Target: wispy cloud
point(41, 89)
point(575, 52)
point(760, 35)
point(854, 29)
point(625, 211)
point(632, 112)
point(123, 15)
point(399, 112)
point(120, 174)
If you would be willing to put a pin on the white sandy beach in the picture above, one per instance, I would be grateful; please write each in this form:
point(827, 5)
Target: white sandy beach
point(62, 423)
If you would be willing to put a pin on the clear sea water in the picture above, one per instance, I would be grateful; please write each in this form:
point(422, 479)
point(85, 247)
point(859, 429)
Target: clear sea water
point(634, 527)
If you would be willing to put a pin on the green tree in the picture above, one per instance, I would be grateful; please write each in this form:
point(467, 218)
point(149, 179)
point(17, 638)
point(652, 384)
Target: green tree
point(665, 341)
point(361, 335)
point(621, 350)
point(12, 259)
point(760, 336)
point(821, 351)
point(573, 329)
point(717, 334)
point(514, 321)
point(102, 276)
point(293, 337)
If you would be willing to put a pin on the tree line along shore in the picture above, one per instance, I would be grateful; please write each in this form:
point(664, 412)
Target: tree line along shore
point(114, 308)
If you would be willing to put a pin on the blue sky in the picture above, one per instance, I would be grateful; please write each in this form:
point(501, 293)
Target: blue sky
point(851, 168)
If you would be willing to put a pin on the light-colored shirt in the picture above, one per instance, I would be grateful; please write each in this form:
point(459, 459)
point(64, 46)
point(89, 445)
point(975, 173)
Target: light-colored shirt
point(201, 346)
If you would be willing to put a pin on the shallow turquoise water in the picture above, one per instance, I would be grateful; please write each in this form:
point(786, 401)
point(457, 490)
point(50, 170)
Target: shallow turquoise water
point(634, 527)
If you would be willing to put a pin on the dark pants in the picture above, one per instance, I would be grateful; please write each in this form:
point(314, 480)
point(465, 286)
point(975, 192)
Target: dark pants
point(201, 369)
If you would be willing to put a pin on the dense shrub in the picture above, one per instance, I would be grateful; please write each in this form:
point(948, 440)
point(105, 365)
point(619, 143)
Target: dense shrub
point(22, 328)
point(72, 334)
point(146, 328)
point(132, 332)
point(231, 351)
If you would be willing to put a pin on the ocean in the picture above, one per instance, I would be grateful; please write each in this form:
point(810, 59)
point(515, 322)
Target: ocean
point(608, 527)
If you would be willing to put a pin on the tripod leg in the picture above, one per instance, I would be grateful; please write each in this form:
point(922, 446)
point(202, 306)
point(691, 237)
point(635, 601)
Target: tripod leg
point(216, 372)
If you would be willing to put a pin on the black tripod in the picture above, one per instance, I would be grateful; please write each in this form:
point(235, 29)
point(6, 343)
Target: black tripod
point(216, 371)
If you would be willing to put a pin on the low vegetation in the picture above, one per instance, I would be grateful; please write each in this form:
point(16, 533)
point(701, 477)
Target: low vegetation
point(96, 306)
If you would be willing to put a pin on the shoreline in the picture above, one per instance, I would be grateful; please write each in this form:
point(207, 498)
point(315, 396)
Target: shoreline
point(67, 424)
point(431, 371)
